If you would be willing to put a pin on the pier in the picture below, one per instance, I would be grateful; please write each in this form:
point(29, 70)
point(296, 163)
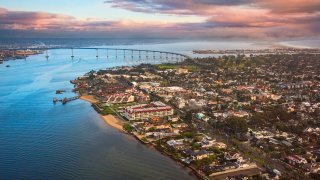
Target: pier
point(65, 100)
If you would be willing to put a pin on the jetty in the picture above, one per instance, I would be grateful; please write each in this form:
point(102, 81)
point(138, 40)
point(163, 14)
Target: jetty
point(65, 100)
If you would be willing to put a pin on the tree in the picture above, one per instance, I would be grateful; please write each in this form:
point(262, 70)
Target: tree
point(152, 129)
point(237, 124)
point(127, 127)
point(188, 117)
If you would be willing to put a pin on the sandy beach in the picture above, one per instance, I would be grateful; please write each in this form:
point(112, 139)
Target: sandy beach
point(89, 98)
point(109, 119)
point(113, 121)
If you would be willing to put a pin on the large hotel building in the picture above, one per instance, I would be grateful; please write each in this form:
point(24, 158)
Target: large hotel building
point(145, 111)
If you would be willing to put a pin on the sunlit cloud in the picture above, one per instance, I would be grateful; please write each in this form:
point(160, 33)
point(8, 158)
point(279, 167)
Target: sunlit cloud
point(224, 19)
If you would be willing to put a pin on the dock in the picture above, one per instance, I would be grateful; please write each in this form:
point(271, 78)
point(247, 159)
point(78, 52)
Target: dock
point(65, 100)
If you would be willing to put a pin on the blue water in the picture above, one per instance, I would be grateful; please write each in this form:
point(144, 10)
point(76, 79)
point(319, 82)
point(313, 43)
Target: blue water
point(40, 140)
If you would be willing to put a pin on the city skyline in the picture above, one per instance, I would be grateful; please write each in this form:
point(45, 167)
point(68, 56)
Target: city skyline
point(224, 20)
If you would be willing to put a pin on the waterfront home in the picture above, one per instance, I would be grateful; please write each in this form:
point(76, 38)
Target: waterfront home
point(175, 142)
point(197, 154)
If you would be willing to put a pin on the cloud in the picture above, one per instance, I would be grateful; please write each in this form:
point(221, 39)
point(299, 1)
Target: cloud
point(32, 20)
point(186, 7)
point(207, 7)
point(270, 18)
point(231, 19)
point(291, 6)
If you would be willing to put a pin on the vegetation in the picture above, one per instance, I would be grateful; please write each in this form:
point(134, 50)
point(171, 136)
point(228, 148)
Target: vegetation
point(167, 66)
point(237, 125)
point(192, 68)
point(127, 127)
point(144, 140)
point(107, 110)
point(189, 134)
point(122, 105)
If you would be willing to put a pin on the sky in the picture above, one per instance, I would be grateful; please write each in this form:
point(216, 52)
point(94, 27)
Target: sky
point(270, 20)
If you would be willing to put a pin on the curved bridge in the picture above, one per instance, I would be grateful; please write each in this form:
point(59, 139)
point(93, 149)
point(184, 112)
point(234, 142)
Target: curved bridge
point(129, 55)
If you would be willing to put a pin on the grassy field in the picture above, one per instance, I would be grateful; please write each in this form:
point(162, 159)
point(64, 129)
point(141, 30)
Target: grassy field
point(107, 110)
point(167, 66)
point(122, 105)
point(115, 107)
point(176, 66)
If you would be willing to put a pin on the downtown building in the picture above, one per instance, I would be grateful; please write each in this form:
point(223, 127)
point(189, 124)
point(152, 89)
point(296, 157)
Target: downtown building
point(146, 111)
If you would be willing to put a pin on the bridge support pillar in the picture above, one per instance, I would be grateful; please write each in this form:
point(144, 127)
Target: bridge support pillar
point(72, 56)
point(24, 54)
point(116, 53)
point(147, 56)
point(47, 56)
point(139, 55)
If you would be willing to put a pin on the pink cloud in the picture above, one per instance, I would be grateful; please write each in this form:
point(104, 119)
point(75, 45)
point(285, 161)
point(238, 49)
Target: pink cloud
point(223, 21)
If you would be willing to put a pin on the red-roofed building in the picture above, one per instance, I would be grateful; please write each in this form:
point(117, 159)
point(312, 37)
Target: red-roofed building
point(146, 111)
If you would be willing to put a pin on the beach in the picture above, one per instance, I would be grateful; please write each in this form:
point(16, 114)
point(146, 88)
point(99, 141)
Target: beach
point(88, 98)
point(111, 120)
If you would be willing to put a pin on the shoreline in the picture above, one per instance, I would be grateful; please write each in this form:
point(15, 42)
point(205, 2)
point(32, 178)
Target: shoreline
point(111, 120)
point(88, 98)
point(115, 122)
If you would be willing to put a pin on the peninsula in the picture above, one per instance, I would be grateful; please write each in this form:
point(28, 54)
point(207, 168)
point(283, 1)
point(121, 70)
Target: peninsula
point(232, 116)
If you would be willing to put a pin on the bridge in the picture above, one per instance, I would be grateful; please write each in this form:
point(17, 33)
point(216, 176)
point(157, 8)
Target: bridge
point(131, 56)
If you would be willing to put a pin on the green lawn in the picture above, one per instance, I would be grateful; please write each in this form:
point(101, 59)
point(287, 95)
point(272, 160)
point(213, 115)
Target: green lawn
point(107, 110)
point(192, 68)
point(122, 105)
point(176, 66)
point(167, 66)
